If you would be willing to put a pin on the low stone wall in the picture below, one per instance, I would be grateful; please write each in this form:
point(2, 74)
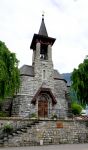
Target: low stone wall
point(47, 132)
point(16, 122)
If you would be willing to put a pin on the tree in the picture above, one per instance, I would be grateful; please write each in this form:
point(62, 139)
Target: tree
point(80, 82)
point(9, 72)
point(73, 95)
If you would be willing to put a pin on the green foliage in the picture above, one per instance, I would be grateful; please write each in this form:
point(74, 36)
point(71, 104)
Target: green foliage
point(9, 72)
point(73, 95)
point(54, 116)
point(33, 115)
point(80, 82)
point(3, 114)
point(7, 128)
point(76, 108)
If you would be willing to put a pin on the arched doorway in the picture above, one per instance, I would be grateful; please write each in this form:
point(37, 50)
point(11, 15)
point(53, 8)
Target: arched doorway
point(44, 99)
point(42, 106)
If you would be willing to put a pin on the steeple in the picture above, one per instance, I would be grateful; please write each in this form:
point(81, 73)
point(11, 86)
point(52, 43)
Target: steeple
point(42, 30)
point(42, 36)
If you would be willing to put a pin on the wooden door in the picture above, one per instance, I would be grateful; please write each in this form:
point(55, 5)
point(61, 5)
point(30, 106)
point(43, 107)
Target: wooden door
point(42, 108)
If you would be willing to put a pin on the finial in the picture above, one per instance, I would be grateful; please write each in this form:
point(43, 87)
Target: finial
point(43, 15)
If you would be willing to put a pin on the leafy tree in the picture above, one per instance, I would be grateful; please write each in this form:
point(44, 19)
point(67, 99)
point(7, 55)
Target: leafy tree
point(73, 95)
point(9, 72)
point(80, 81)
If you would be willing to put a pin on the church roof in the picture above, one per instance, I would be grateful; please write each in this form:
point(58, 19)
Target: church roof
point(27, 70)
point(57, 74)
point(42, 30)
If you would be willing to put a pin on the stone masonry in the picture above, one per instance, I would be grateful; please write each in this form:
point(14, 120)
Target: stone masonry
point(41, 79)
point(47, 132)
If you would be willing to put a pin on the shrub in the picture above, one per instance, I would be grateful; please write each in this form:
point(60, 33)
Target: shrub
point(54, 116)
point(33, 115)
point(3, 114)
point(76, 108)
point(7, 128)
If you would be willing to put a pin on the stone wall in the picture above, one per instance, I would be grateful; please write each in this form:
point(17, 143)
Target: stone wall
point(22, 101)
point(43, 77)
point(30, 86)
point(27, 86)
point(60, 89)
point(48, 132)
point(21, 105)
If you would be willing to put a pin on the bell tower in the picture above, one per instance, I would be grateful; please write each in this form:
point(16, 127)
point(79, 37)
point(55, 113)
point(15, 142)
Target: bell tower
point(42, 55)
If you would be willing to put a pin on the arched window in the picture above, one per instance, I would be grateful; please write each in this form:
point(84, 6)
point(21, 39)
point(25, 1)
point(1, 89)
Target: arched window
point(43, 52)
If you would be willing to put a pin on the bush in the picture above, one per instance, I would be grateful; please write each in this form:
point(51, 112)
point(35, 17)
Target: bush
point(7, 128)
point(3, 114)
point(33, 115)
point(76, 108)
point(54, 116)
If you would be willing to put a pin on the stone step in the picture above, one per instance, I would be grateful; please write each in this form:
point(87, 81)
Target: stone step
point(1, 137)
point(1, 142)
point(28, 125)
point(29, 136)
point(24, 130)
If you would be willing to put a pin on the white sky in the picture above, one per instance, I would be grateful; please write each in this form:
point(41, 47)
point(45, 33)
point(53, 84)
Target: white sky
point(66, 20)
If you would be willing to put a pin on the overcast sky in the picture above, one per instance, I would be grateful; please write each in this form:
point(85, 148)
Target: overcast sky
point(66, 20)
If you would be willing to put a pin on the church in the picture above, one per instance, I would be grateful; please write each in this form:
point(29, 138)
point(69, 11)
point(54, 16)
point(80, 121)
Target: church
point(43, 90)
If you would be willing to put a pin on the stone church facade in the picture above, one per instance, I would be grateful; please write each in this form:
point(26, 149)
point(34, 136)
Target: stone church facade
point(43, 90)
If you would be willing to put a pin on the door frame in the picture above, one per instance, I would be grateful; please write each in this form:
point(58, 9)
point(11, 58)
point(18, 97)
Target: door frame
point(43, 106)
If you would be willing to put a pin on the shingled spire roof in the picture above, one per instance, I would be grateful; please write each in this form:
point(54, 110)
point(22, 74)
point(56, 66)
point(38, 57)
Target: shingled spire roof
point(42, 30)
point(42, 36)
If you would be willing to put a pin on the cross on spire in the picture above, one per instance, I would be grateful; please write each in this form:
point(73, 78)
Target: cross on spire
point(43, 14)
point(42, 30)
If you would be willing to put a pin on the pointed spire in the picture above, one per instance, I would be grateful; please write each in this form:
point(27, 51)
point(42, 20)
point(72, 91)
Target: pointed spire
point(42, 30)
point(42, 36)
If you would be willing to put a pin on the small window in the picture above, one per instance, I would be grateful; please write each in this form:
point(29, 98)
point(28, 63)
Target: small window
point(44, 74)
